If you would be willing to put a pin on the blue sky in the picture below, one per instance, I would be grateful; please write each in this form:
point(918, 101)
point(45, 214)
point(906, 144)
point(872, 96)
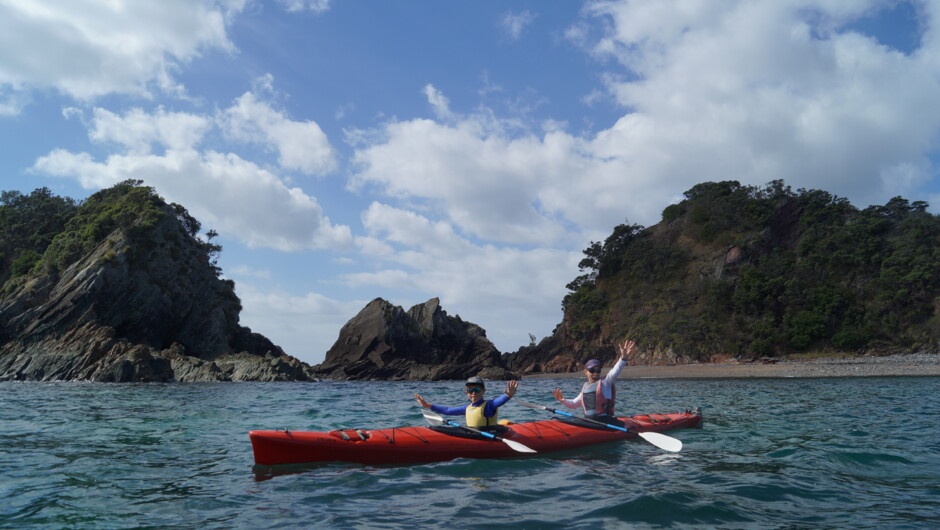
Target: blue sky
point(465, 150)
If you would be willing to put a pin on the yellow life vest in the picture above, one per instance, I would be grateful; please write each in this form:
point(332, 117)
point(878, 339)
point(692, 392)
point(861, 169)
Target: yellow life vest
point(476, 419)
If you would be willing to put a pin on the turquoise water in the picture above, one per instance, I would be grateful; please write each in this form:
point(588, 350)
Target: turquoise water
point(774, 453)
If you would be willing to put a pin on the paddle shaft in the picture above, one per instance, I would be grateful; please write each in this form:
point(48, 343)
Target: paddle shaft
point(516, 446)
point(471, 429)
point(660, 440)
point(555, 411)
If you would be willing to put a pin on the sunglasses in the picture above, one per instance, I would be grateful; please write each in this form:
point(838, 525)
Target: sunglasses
point(594, 370)
point(472, 389)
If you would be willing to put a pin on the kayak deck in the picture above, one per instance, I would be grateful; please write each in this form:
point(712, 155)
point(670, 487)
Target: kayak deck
point(412, 445)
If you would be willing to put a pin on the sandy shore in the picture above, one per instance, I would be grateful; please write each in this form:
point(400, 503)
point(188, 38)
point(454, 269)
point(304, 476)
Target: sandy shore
point(894, 365)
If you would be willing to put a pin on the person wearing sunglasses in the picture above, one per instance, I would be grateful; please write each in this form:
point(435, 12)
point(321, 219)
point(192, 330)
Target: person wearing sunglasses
point(598, 395)
point(480, 413)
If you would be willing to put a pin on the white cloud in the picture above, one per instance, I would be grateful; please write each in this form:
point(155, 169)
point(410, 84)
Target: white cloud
point(139, 131)
point(514, 23)
point(504, 187)
point(486, 284)
point(300, 145)
point(746, 91)
point(88, 49)
point(768, 90)
point(316, 6)
point(228, 193)
point(250, 272)
point(305, 326)
point(11, 103)
point(438, 102)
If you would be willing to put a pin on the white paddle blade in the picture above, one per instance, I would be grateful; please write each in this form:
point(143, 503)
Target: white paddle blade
point(516, 446)
point(666, 443)
point(432, 418)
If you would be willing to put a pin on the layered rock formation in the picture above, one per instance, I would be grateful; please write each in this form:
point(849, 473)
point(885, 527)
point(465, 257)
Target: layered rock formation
point(145, 304)
point(385, 342)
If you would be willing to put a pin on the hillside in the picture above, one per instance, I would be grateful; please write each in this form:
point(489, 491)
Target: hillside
point(120, 288)
point(748, 272)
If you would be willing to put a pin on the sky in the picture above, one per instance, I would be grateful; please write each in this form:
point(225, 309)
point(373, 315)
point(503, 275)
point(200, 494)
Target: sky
point(468, 150)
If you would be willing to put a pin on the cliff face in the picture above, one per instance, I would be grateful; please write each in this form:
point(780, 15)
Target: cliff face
point(384, 342)
point(144, 304)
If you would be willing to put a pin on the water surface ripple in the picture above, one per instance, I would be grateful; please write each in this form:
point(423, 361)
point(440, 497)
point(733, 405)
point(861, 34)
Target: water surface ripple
point(774, 453)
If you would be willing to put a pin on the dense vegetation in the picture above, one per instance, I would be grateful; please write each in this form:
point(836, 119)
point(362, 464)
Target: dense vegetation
point(43, 232)
point(751, 271)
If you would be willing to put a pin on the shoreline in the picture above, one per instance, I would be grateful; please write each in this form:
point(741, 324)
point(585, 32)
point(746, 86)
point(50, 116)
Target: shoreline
point(913, 365)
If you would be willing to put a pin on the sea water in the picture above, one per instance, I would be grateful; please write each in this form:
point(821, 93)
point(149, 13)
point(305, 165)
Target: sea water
point(773, 453)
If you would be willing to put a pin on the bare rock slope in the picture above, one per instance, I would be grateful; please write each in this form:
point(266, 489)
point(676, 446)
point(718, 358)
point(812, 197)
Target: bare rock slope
point(385, 342)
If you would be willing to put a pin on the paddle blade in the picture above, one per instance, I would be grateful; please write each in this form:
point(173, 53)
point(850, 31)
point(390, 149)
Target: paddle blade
point(432, 418)
point(516, 446)
point(666, 443)
point(531, 405)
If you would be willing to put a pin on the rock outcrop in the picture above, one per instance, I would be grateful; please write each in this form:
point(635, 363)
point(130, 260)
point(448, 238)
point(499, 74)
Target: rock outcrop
point(145, 304)
point(384, 342)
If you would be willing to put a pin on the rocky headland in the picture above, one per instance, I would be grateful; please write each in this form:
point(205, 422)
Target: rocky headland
point(127, 292)
point(734, 275)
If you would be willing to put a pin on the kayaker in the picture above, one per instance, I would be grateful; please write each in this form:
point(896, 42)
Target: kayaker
point(598, 395)
point(480, 413)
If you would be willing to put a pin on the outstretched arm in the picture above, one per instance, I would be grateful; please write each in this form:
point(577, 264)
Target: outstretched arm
point(571, 404)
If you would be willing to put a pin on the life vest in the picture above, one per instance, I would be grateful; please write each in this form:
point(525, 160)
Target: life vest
point(476, 419)
point(594, 401)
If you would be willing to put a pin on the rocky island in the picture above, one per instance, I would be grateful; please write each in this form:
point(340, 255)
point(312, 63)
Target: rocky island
point(385, 342)
point(118, 289)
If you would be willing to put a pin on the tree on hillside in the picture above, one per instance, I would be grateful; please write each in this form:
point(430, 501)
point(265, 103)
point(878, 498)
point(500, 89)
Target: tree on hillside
point(28, 223)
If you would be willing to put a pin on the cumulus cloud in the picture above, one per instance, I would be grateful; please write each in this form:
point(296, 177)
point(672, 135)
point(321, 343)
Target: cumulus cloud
point(88, 49)
point(760, 91)
point(741, 90)
point(501, 279)
point(304, 325)
point(139, 131)
point(301, 146)
point(496, 185)
point(233, 195)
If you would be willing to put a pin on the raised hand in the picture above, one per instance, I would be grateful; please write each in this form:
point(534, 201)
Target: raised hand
point(422, 402)
point(626, 349)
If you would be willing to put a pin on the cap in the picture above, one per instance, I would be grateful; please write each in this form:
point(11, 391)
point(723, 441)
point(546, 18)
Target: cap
point(475, 381)
point(591, 364)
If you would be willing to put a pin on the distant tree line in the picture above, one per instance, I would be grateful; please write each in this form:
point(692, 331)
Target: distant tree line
point(747, 270)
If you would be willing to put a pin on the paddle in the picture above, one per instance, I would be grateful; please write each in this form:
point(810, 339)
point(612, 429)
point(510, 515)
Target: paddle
point(662, 441)
point(434, 419)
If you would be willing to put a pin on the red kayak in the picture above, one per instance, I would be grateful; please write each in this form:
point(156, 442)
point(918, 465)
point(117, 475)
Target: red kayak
point(415, 445)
